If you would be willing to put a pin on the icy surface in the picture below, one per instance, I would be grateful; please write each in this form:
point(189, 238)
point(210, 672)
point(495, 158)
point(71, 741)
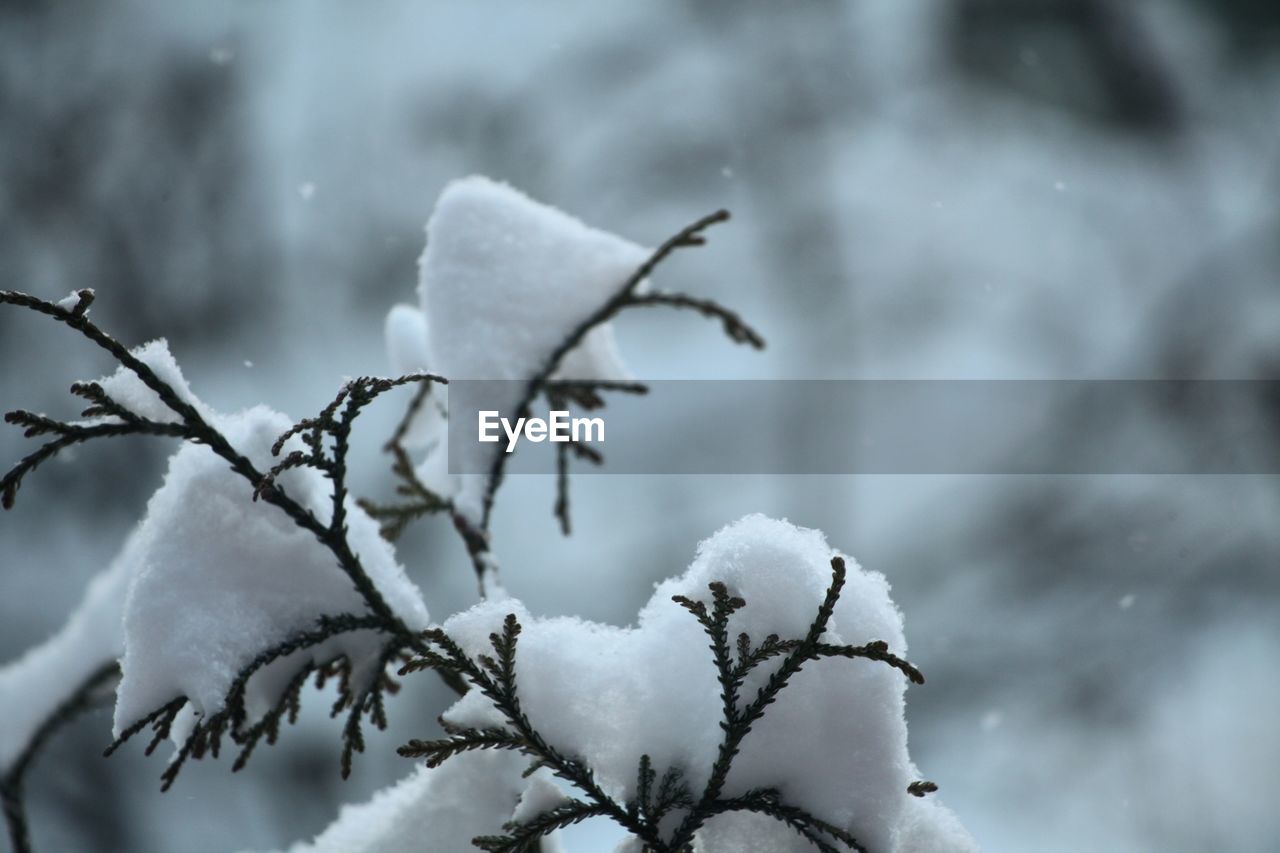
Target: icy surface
point(128, 390)
point(218, 578)
point(439, 809)
point(504, 280)
point(834, 743)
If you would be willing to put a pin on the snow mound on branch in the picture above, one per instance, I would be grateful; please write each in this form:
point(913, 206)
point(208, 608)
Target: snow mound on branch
point(440, 809)
point(929, 827)
point(47, 676)
point(205, 582)
point(128, 390)
point(504, 280)
point(406, 335)
point(407, 352)
point(834, 743)
point(218, 578)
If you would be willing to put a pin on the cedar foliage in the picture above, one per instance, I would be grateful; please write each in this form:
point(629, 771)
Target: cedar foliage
point(661, 793)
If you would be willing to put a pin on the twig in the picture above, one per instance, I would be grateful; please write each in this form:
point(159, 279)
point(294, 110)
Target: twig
point(85, 697)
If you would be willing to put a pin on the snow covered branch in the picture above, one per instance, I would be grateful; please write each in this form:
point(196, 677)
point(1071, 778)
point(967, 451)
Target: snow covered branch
point(148, 396)
point(111, 417)
point(514, 289)
point(625, 297)
point(420, 501)
point(234, 717)
point(494, 675)
point(254, 571)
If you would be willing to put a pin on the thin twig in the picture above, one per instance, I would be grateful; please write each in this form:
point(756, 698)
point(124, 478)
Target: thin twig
point(86, 696)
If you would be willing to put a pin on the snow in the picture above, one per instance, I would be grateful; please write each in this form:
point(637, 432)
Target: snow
point(503, 281)
point(72, 299)
point(471, 794)
point(206, 581)
point(128, 390)
point(407, 352)
point(834, 743)
point(542, 795)
point(505, 278)
point(929, 827)
point(491, 587)
point(218, 578)
point(406, 335)
point(46, 676)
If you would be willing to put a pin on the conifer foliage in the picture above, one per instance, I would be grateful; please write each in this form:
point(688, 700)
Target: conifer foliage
point(785, 641)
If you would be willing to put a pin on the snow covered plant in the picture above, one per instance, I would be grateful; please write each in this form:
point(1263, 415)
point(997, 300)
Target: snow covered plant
point(755, 705)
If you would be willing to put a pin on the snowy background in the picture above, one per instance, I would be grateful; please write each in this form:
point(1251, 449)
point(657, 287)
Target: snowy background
point(960, 189)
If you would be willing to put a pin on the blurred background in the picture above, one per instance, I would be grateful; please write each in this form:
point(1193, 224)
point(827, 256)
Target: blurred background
point(1032, 189)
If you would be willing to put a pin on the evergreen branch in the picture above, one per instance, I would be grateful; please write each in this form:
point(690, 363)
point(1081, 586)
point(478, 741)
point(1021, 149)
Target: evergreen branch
point(734, 326)
point(269, 726)
point(393, 519)
point(524, 837)
point(672, 793)
point(642, 805)
point(738, 721)
point(192, 426)
point(716, 625)
point(561, 510)
point(587, 396)
point(494, 675)
point(101, 404)
point(160, 719)
point(356, 395)
point(749, 659)
point(68, 434)
point(585, 393)
point(624, 297)
point(495, 678)
point(197, 429)
point(877, 650)
point(436, 752)
point(815, 831)
point(231, 719)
